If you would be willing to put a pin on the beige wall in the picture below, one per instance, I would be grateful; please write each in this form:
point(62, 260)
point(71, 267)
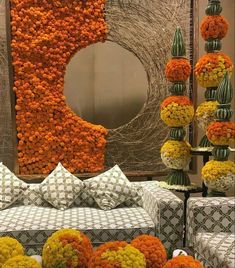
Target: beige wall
point(228, 47)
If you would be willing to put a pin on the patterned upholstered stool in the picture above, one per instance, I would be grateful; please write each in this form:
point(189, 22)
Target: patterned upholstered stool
point(211, 230)
point(215, 250)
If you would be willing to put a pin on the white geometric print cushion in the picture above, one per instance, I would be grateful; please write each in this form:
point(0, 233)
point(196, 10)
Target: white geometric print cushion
point(60, 188)
point(11, 188)
point(110, 188)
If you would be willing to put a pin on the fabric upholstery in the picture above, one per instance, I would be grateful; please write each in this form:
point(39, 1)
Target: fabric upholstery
point(210, 215)
point(11, 188)
point(110, 188)
point(167, 210)
point(60, 188)
point(32, 225)
point(215, 250)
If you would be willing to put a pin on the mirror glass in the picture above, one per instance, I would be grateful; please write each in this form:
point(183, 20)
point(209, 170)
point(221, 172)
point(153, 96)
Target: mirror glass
point(105, 84)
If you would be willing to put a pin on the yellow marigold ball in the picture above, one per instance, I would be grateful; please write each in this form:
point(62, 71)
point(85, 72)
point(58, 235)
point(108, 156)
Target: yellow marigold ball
point(183, 262)
point(211, 68)
point(219, 175)
point(117, 254)
point(177, 111)
point(9, 247)
point(21, 261)
point(205, 113)
point(153, 250)
point(176, 154)
point(67, 248)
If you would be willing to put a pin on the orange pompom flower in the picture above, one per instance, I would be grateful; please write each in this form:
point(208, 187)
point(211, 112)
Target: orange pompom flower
point(221, 133)
point(215, 27)
point(183, 262)
point(177, 69)
point(117, 254)
point(153, 250)
point(211, 68)
point(177, 111)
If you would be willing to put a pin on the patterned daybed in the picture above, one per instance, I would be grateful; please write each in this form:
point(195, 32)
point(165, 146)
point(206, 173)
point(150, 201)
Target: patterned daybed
point(211, 230)
point(32, 220)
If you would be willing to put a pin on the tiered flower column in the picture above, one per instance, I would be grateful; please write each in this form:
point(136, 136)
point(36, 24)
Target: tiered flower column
point(211, 67)
point(177, 111)
point(219, 174)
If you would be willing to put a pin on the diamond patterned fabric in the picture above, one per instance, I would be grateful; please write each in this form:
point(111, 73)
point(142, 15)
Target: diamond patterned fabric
point(31, 225)
point(209, 215)
point(60, 188)
point(215, 250)
point(11, 188)
point(110, 188)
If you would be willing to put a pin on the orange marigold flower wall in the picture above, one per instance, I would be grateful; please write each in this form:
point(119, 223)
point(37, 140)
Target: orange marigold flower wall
point(45, 36)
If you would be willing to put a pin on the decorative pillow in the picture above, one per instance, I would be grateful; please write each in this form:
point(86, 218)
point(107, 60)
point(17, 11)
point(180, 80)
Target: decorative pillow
point(60, 188)
point(11, 188)
point(110, 188)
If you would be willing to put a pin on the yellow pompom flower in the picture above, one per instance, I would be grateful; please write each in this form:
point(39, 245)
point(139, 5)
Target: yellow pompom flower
point(176, 154)
point(117, 254)
point(21, 261)
point(67, 248)
point(211, 68)
point(205, 113)
point(177, 111)
point(219, 175)
point(9, 247)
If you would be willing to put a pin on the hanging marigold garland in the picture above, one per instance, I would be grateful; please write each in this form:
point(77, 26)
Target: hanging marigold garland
point(45, 35)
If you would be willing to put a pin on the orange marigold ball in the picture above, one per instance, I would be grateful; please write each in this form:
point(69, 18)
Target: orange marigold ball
point(177, 69)
point(214, 27)
point(183, 262)
point(153, 250)
point(221, 133)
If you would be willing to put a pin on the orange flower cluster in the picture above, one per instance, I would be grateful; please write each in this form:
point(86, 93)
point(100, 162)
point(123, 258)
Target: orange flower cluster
point(221, 133)
point(183, 262)
point(211, 68)
point(214, 27)
point(177, 69)
point(153, 250)
point(45, 36)
point(180, 100)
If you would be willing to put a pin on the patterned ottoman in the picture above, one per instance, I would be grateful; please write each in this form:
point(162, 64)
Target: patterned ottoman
point(159, 212)
point(215, 250)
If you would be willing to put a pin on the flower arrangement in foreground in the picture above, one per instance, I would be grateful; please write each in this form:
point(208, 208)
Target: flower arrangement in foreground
point(221, 133)
point(9, 247)
point(44, 39)
point(211, 67)
point(183, 262)
point(176, 154)
point(177, 112)
point(205, 113)
point(21, 261)
point(153, 250)
point(219, 175)
point(117, 254)
point(67, 248)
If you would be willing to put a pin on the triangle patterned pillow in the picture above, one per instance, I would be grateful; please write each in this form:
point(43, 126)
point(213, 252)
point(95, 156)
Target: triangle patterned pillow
point(110, 188)
point(11, 188)
point(60, 188)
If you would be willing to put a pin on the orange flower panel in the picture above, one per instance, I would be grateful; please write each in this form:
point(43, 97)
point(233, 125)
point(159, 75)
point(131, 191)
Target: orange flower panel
point(177, 69)
point(45, 36)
